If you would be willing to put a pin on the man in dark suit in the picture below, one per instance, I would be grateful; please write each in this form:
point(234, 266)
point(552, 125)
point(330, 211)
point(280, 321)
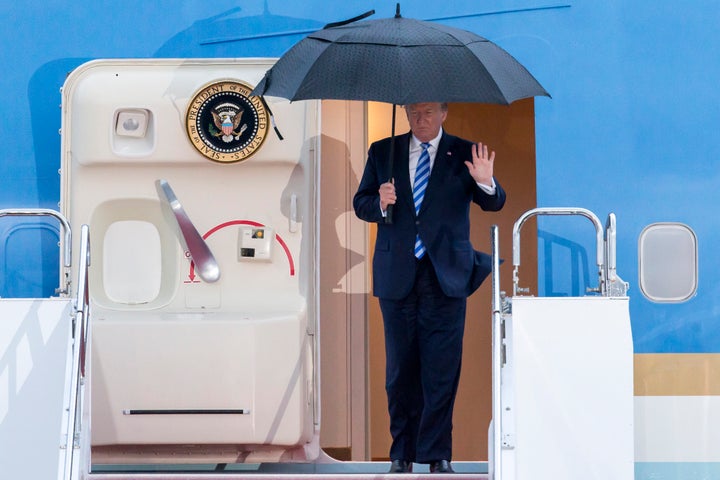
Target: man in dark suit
point(424, 268)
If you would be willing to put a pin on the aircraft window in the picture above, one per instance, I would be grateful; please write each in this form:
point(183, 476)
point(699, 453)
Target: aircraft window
point(132, 262)
point(668, 262)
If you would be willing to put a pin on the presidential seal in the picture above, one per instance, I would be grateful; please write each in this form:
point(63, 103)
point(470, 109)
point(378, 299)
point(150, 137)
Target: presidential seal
point(225, 123)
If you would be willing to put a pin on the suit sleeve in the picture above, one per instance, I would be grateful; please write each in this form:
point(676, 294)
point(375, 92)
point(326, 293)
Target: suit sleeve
point(491, 203)
point(367, 199)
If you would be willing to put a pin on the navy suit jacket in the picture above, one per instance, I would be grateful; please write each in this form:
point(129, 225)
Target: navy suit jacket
point(443, 221)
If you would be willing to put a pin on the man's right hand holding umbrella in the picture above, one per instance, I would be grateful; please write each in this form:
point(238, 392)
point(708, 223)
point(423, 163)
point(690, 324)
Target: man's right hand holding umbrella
point(387, 195)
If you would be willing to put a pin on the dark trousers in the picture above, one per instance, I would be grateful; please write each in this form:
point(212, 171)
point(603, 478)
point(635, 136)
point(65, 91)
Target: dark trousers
point(423, 346)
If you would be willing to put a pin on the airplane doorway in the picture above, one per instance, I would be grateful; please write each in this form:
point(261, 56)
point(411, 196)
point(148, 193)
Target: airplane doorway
point(354, 421)
point(510, 131)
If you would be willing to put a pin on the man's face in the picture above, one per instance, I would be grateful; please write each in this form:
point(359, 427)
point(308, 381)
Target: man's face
point(425, 119)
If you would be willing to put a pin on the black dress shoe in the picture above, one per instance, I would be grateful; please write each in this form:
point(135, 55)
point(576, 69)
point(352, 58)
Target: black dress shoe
point(400, 466)
point(441, 466)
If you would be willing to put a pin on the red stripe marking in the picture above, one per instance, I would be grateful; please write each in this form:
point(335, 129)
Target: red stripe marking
point(254, 224)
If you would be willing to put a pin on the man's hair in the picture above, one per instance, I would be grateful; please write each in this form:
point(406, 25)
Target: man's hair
point(443, 106)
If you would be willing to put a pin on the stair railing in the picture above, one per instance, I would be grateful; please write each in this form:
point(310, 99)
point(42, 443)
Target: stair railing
point(69, 468)
point(67, 240)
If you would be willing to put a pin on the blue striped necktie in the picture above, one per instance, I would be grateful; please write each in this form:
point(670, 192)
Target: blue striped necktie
point(422, 174)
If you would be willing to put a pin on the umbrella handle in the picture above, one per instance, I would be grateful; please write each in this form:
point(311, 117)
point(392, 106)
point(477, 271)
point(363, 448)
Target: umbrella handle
point(389, 210)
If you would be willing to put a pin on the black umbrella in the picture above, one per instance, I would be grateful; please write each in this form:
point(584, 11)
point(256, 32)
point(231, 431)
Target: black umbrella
point(400, 61)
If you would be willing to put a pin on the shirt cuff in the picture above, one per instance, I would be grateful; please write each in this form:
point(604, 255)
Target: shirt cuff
point(489, 189)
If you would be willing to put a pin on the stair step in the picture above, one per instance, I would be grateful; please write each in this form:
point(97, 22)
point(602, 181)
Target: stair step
point(303, 471)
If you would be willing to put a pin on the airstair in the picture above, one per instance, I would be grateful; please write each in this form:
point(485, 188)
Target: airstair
point(562, 381)
point(562, 372)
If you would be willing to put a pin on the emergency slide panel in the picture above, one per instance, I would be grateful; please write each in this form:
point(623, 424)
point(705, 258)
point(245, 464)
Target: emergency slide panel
point(213, 379)
point(202, 281)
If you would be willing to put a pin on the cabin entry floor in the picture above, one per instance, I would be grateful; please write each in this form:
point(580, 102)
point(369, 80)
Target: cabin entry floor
point(338, 470)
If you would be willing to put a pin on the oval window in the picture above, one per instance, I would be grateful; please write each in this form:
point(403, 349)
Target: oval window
point(668, 262)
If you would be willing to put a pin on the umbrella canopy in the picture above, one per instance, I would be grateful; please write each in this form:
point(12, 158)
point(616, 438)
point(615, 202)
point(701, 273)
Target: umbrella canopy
point(399, 61)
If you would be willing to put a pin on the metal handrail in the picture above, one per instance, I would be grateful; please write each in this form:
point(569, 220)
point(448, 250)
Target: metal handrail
point(497, 357)
point(560, 211)
point(616, 286)
point(67, 253)
point(67, 243)
point(610, 248)
point(81, 306)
